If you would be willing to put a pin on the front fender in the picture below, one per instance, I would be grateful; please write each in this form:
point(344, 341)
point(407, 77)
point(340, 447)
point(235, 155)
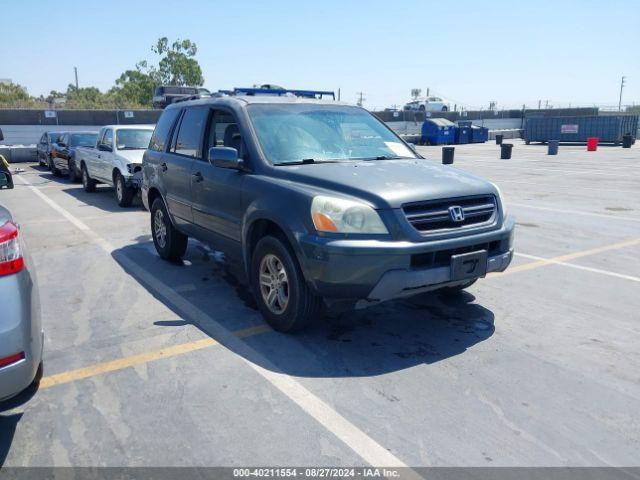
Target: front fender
point(281, 213)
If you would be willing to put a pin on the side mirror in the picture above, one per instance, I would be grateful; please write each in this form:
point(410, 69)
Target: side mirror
point(225, 157)
point(6, 181)
point(105, 148)
point(1, 135)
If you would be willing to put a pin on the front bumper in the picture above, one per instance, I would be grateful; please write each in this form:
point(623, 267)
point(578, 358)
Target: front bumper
point(374, 271)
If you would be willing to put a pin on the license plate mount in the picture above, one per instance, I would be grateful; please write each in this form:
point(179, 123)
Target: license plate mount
point(469, 265)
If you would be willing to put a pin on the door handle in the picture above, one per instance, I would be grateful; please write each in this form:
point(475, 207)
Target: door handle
point(164, 167)
point(99, 156)
point(197, 177)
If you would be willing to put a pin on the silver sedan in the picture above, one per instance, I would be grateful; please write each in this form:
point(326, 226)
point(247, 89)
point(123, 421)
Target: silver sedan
point(21, 335)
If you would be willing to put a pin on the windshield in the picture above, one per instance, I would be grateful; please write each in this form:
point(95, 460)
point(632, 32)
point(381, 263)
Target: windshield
point(83, 139)
point(133, 139)
point(295, 133)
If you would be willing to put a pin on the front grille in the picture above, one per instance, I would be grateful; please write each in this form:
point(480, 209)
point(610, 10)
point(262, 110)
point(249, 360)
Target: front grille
point(442, 258)
point(433, 216)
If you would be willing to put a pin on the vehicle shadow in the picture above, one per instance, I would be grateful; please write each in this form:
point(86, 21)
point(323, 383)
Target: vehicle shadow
point(103, 198)
point(389, 337)
point(8, 426)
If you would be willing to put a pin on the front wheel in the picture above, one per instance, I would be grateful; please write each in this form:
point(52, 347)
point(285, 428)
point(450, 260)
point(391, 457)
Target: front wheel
point(88, 183)
point(73, 174)
point(124, 193)
point(279, 287)
point(169, 242)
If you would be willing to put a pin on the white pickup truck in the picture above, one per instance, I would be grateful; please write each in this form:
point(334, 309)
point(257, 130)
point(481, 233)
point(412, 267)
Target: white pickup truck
point(116, 160)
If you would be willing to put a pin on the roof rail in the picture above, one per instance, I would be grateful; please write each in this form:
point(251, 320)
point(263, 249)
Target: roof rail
point(279, 92)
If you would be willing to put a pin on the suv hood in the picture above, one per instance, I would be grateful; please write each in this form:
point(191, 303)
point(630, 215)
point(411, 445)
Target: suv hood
point(388, 183)
point(131, 156)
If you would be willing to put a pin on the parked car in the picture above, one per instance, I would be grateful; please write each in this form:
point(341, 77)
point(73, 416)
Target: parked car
point(167, 94)
point(63, 152)
point(115, 160)
point(317, 203)
point(21, 335)
point(430, 104)
point(45, 145)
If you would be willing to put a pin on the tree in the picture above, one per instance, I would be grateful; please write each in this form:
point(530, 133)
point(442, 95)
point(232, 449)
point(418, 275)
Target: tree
point(177, 65)
point(13, 95)
point(134, 88)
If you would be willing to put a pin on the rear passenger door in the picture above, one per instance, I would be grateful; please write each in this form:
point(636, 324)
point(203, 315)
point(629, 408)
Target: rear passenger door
point(216, 192)
point(186, 147)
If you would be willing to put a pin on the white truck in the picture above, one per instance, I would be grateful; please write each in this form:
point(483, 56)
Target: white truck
point(116, 160)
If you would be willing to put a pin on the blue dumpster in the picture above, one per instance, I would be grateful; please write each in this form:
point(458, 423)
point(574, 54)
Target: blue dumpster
point(438, 131)
point(463, 133)
point(479, 134)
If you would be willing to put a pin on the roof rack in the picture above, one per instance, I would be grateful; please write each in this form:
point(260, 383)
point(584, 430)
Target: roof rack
point(279, 92)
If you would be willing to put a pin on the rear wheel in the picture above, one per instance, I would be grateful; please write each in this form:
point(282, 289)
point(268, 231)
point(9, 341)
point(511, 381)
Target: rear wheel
point(124, 193)
point(169, 242)
point(88, 183)
point(279, 287)
point(445, 109)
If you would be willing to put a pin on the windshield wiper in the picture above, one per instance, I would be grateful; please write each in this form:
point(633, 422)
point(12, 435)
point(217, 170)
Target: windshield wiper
point(305, 161)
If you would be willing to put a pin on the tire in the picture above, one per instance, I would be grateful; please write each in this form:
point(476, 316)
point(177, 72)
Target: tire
point(55, 170)
point(39, 375)
point(73, 174)
point(50, 163)
point(422, 108)
point(169, 242)
point(458, 288)
point(445, 109)
point(294, 305)
point(124, 194)
point(88, 183)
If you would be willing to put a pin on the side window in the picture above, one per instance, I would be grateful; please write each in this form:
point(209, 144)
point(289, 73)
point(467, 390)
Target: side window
point(189, 138)
point(43, 138)
point(224, 132)
point(159, 139)
point(108, 137)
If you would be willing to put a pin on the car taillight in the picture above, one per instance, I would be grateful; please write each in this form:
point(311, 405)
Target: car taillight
point(11, 359)
point(10, 256)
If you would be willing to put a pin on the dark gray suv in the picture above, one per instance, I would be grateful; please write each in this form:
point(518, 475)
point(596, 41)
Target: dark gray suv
point(318, 203)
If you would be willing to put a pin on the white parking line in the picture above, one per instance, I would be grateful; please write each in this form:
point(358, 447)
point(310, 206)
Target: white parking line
point(358, 441)
point(580, 267)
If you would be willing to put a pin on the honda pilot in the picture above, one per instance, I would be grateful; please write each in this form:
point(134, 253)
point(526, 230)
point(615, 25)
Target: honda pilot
point(318, 204)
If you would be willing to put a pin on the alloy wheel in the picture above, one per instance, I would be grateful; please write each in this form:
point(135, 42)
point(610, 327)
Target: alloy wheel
point(274, 284)
point(160, 228)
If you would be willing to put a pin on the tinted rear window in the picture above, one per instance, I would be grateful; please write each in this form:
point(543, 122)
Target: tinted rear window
point(83, 139)
point(163, 128)
point(189, 140)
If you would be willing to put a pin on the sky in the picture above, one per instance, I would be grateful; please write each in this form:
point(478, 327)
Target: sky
point(471, 52)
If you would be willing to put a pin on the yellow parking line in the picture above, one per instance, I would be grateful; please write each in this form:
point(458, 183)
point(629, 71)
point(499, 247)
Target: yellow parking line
point(133, 360)
point(568, 256)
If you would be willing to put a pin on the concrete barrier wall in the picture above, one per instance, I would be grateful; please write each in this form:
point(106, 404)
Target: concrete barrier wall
point(30, 134)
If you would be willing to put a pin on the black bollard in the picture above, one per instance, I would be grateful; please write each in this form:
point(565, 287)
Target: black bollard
point(552, 149)
point(447, 155)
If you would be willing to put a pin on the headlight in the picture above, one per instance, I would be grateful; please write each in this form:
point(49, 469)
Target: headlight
point(331, 214)
point(502, 202)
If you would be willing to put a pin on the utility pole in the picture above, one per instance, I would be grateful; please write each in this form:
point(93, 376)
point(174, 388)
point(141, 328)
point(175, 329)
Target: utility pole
point(621, 87)
point(539, 104)
point(361, 98)
point(75, 69)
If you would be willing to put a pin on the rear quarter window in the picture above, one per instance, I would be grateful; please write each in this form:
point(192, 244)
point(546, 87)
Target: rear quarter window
point(159, 138)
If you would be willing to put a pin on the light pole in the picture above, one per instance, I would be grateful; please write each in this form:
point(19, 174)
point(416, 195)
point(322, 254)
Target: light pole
point(620, 99)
